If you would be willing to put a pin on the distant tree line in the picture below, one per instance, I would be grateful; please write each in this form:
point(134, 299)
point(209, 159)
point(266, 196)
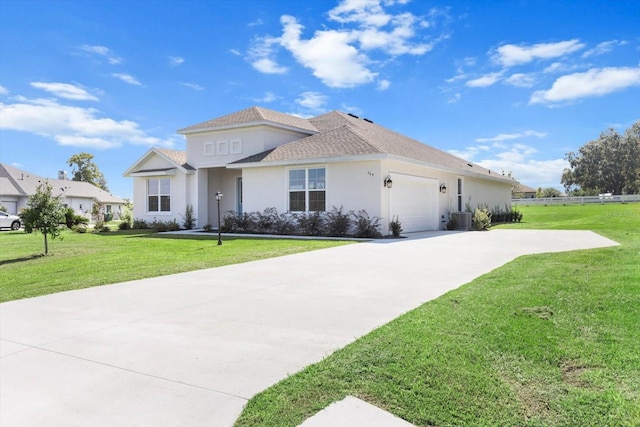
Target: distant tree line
point(609, 164)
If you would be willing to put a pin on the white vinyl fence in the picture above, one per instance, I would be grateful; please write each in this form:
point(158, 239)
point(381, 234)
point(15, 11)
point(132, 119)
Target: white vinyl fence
point(602, 199)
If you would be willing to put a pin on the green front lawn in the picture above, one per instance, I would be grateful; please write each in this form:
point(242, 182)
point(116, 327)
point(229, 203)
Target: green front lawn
point(546, 340)
point(84, 260)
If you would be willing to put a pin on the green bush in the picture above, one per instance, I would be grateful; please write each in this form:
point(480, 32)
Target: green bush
point(395, 227)
point(189, 220)
point(481, 219)
point(140, 224)
point(366, 226)
point(338, 222)
point(311, 224)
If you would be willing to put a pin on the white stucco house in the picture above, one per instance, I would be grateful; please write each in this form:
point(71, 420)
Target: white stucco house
point(16, 185)
point(260, 158)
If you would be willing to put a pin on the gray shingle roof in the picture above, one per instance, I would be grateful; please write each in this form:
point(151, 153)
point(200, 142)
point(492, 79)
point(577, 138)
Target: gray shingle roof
point(253, 115)
point(343, 135)
point(178, 157)
point(26, 184)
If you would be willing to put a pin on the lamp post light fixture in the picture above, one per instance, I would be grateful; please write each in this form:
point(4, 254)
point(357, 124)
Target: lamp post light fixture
point(387, 183)
point(443, 188)
point(218, 198)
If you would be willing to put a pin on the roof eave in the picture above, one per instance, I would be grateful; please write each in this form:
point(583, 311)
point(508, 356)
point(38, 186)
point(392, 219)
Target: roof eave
point(309, 161)
point(188, 131)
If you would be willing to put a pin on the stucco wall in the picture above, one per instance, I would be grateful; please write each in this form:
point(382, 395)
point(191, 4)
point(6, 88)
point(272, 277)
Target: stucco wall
point(218, 148)
point(182, 192)
point(352, 185)
point(493, 194)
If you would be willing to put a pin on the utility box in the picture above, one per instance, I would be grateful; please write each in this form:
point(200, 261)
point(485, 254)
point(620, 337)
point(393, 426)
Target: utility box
point(463, 220)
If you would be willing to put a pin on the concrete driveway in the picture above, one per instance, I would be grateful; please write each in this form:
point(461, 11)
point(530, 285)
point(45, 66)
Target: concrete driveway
point(190, 349)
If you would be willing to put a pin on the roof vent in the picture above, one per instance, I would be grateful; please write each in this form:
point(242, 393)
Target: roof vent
point(470, 165)
point(367, 120)
point(353, 115)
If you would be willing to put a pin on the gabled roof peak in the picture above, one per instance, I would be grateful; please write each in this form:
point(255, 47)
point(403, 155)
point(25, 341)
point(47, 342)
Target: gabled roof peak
point(253, 115)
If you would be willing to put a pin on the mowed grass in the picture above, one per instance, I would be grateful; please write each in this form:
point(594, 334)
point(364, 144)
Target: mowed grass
point(84, 260)
point(546, 340)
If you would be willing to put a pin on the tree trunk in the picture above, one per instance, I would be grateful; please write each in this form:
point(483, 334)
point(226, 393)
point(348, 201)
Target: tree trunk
point(46, 245)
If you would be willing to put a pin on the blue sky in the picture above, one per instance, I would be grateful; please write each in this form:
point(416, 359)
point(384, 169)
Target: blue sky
point(511, 85)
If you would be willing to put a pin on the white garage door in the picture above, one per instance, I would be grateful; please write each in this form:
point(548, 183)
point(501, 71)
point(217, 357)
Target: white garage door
point(12, 207)
point(415, 201)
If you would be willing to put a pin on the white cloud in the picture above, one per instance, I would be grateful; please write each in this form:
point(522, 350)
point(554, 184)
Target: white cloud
point(3, 90)
point(261, 56)
point(339, 57)
point(127, 78)
point(383, 84)
point(364, 12)
point(329, 54)
point(604, 47)
point(594, 82)
point(509, 55)
point(536, 173)
point(519, 160)
point(268, 66)
point(235, 52)
point(486, 80)
point(268, 97)
point(65, 90)
point(102, 51)
point(192, 86)
point(175, 60)
point(521, 80)
point(509, 136)
point(313, 101)
point(75, 126)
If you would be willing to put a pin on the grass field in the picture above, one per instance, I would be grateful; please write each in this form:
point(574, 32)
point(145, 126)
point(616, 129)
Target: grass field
point(84, 260)
point(546, 340)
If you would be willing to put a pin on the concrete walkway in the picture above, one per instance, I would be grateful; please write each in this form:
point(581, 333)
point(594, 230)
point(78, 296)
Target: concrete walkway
point(190, 349)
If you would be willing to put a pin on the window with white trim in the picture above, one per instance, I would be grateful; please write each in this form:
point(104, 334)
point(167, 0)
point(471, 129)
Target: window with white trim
point(459, 194)
point(307, 190)
point(159, 195)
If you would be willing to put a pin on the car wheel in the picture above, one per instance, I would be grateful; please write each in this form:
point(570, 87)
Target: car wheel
point(15, 225)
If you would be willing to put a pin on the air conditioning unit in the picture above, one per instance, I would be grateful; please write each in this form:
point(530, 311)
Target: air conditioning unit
point(463, 220)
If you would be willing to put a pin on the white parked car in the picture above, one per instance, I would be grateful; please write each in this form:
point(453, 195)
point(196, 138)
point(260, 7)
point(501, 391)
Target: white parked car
point(9, 221)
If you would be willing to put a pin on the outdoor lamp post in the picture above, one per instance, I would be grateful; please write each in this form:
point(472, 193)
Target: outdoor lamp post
point(218, 198)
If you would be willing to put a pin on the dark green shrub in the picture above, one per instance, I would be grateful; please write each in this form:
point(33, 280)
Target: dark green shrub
point(208, 228)
point(285, 224)
point(124, 225)
point(140, 224)
point(265, 221)
point(311, 224)
point(395, 227)
point(338, 222)
point(366, 226)
point(452, 224)
point(188, 219)
point(79, 228)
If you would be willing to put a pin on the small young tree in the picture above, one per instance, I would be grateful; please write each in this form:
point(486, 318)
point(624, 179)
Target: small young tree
point(44, 213)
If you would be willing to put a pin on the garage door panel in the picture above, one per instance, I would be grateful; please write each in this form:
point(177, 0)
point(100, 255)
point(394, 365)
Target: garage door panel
point(415, 201)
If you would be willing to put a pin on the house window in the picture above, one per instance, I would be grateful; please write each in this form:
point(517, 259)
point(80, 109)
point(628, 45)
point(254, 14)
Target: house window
point(307, 190)
point(209, 149)
point(459, 194)
point(223, 148)
point(236, 147)
point(159, 195)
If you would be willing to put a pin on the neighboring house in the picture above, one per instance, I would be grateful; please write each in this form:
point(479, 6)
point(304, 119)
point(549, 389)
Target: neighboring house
point(522, 191)
point(17, 185)
point(260, 158)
